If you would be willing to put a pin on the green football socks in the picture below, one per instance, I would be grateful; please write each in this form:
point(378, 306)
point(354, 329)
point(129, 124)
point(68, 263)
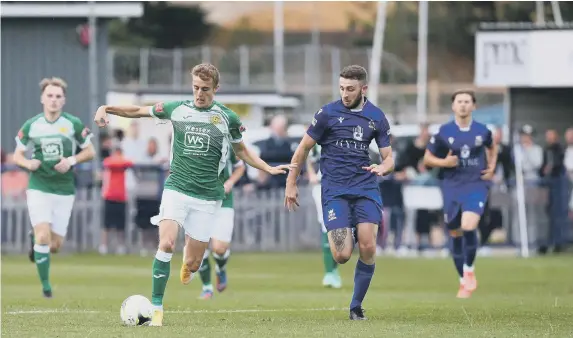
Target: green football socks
point(161, 270)
point(42, 258)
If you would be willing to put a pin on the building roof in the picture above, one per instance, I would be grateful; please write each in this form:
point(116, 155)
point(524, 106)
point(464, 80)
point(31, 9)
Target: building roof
point(70, 9)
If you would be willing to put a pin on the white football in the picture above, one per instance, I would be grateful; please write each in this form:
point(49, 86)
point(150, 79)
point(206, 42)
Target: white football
point(136, 310)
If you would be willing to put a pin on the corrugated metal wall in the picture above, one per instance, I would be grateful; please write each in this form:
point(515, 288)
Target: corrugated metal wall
point(36, 48)
point(542, 108)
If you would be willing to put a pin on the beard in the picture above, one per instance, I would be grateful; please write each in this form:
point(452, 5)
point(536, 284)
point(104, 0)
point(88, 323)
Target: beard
point(354, 104)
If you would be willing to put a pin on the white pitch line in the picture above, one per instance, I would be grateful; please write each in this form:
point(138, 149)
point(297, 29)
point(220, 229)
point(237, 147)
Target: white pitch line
point(47, 311)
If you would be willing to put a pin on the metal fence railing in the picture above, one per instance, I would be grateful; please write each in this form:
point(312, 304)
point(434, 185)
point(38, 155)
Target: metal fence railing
point(250, 68)
point(263, 224)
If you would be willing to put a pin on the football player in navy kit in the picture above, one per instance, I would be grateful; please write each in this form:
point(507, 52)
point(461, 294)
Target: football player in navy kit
point(466, 155)
point(351, 200)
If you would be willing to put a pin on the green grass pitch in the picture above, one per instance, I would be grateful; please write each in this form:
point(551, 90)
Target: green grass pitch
point(280, 295)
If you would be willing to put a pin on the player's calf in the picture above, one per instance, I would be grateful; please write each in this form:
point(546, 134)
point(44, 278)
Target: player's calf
point(341, 244)
point(366, 234)
point(469, 223)
point(194, 251)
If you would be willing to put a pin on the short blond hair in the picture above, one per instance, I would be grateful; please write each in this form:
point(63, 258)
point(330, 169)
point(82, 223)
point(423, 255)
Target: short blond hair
point(206, 72)
point(53, 81)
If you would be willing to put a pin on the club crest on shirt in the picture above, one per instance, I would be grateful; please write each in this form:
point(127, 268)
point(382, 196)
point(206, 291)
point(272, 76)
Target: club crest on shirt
point(465, 152)
point(215, 119)
point(451, 140)
point(340, 119)
point(372, 125)
point(358, 133)
point(479, 140)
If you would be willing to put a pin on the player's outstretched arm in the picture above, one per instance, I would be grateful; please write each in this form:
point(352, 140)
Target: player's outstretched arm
point(101, 116)
point(300, 155)
point(256, 162)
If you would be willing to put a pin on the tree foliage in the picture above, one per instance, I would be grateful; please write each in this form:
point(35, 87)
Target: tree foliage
point(163, 25)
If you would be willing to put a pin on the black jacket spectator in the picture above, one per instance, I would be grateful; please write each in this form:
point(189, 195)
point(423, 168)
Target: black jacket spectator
point(410, 157)
point(553, 156)
point(505, 161)
point(276, 151)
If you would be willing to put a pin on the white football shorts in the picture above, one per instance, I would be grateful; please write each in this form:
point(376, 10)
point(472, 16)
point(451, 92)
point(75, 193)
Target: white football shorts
point(195, 216)
point(224, 221)
point(49, 208)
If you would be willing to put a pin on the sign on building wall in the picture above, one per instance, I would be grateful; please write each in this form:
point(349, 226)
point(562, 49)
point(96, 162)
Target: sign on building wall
point(524, 58)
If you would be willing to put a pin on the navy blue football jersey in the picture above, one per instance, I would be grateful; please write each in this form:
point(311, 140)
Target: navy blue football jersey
point(345, 136)
point(469, 145)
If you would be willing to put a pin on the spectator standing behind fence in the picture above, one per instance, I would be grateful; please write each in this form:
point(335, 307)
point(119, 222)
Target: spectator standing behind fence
point(133, 147)
point(553, 171)
point(115, 198)
point(413, 158)
point(531, 154)
point(391, 190)
point(275, 150)
point(150, 175)
point(569, 166)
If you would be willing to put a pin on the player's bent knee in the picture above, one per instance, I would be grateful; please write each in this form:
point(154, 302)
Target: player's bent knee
point(367, 250)
point(470, 221)
point(167, 245)
point(218, 247)
point(42, 234)
point(341, 257)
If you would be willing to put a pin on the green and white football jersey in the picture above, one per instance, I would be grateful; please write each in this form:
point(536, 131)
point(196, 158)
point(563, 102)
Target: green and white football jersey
point(225, 174)
point(200, 146)
point(50, 142)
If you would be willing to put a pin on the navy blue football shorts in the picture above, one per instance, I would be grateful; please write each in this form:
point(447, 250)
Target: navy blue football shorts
point(346, 211)
point(460, 200)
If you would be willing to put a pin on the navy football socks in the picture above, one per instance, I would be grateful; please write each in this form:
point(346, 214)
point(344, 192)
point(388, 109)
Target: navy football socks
point(362, 277)
point(471, 244)
point(458, 254)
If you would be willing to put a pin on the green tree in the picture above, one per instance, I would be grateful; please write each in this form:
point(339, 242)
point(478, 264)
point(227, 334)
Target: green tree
point(163, 25)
